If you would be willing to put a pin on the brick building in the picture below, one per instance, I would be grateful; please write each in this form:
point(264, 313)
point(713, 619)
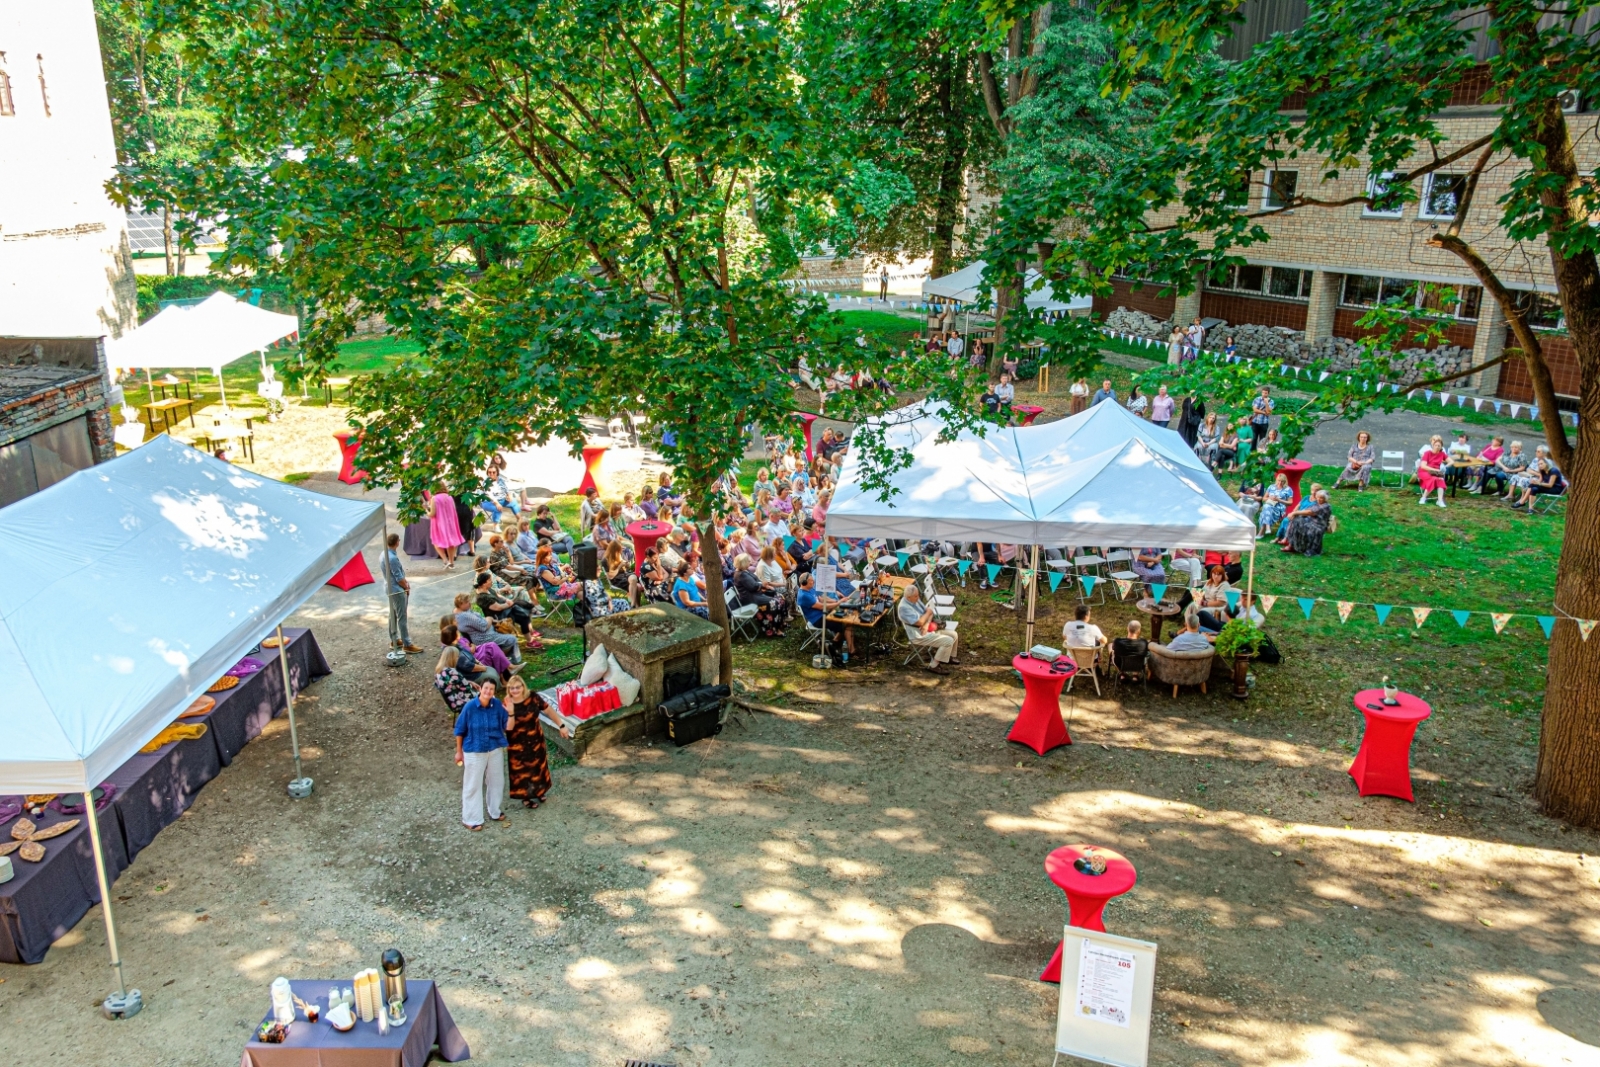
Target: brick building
point(66, 275)
point(1324, 266)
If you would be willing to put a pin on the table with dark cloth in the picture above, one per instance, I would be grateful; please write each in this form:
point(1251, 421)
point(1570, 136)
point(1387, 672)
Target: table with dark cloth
point(428, 1023)
point(418, 539)
point(48, 898)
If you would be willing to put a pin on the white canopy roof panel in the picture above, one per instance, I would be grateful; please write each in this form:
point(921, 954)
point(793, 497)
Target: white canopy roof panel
point(962, 286)
point(132, 586)
point(1102, 477)
point(212, 334)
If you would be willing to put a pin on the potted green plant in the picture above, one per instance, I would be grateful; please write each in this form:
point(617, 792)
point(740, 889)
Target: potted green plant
point(1240, 638)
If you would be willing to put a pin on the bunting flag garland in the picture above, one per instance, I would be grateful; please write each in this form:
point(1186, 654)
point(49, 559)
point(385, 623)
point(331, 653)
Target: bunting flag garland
point(1088, 581)
point(1232, 597)
point(1496, 404)
point(964, 566)
point(1344, 610)
point(1477, 404)
point(1427, 394)
point(1547, 623)
point(1421, 615)
point(1158, 590)
point(1394, 389)
point(788, 543)
point(1500, 619)
point(1266, 604)
point(1383, 612)
point(1515, 410)
point(1444, 398)
point(1306, 604)
point(1585, 628)
point(994, 572)
point(904, 558)
point(1324, 376)
point(1461, 401)
point(1461, 618)
point(1027, 575)
point(1055, 580)
point(1124, 587)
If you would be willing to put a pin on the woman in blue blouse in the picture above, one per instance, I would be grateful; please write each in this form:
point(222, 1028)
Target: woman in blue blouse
point(1275, 503)
point(686, 593)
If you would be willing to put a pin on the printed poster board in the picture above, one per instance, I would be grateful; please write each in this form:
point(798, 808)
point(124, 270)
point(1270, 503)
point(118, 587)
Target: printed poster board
point(1107, 997)
point(827, 576)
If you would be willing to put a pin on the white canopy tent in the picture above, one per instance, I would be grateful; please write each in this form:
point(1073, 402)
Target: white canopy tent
point(210, 335)
point(1102, 477)
point(175, 565)
point(962, 287)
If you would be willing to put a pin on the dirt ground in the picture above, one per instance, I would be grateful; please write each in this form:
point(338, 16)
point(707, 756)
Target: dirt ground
point(855, 880)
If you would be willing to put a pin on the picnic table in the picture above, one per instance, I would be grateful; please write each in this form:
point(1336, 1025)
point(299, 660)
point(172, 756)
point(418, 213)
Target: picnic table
point(229, 431)
point(167, 409)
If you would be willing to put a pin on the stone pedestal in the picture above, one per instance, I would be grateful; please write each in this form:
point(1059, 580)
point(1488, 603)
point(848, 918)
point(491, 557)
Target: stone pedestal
point(668, 650)
point(1187, 307)
point(1489, 343)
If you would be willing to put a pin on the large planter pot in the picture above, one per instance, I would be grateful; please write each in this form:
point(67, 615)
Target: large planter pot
point(1241, 672)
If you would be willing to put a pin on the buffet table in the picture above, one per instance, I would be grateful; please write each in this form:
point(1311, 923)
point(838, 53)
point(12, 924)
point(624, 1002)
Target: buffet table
point(46, 899)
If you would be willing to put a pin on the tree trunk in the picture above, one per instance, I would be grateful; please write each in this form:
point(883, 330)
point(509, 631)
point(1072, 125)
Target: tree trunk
point(952, 170)
point(716, 601)
point(166, 238)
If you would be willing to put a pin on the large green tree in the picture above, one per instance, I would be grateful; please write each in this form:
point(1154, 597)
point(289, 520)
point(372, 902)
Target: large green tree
point(160, 127)
point(898, 82)
point(1376, 76)
point(575, 208)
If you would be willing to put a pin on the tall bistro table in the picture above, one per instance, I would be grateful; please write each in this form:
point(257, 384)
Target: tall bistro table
point(645, 532)
point(591, 466)
point(1294, 470)
point(1383, 763)
point(808, 419)
point(1039, 724)
point(1087, 893)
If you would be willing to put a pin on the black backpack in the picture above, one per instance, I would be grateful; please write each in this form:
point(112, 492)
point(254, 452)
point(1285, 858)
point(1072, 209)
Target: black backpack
point(1268, 652)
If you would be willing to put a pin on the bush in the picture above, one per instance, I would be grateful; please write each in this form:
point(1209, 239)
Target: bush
point(1239, 636)
point(154, 288)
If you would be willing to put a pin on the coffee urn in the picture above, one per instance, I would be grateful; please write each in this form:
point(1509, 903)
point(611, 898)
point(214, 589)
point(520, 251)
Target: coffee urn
point(394, 975)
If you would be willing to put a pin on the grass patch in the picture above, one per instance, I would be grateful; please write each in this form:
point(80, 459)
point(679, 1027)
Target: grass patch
point(887, 326)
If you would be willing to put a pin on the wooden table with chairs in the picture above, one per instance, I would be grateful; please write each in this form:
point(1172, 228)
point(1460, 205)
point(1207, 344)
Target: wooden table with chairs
point(229, 431)
point(1159, 611)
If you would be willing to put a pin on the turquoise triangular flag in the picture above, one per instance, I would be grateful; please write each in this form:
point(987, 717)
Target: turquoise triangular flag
point(1383, 612)
point(1158, 590)
point(1305, 604)
point(903, 557)
point(1088, 581)
point(1461, 617)
point(994, 571)
point(1232, 597)
point(1055, 580)
point(1548, 622)
point(963, 567)
point(788, 543)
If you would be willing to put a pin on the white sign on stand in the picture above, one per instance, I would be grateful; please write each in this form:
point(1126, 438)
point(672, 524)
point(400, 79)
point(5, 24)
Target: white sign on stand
point(827, 576)
point(1107, 998)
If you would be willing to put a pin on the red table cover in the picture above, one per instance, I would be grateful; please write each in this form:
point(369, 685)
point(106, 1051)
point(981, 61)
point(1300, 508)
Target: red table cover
point(353, 574)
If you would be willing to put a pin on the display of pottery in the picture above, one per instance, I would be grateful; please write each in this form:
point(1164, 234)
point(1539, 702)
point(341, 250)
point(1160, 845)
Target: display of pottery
point(270, 642)
point(223, 684)
point(31, 851)
point(202, 705)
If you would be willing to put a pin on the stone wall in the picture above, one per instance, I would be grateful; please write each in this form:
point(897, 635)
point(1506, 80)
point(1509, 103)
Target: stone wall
point(59, 402)
point(1283, 345)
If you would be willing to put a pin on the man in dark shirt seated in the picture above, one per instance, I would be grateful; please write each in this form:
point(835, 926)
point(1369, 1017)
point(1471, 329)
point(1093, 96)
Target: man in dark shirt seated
point(548, 529)
point(814, 605)
point(1128, 654)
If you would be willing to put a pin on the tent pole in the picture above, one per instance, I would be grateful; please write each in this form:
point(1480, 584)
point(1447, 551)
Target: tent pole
point(122, 1004)
point(1249, 585)
point(300, 788)
point(1033, 595)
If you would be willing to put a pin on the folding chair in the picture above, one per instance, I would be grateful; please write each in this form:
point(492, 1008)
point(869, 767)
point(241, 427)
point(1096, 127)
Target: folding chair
point(813, 633)
point(1085, 658)
point(943, 605)
point(741, 619)
point(919, 652)
point(1548, 501)
point(1392, 463)
point(556, 608)
point(1088, 566)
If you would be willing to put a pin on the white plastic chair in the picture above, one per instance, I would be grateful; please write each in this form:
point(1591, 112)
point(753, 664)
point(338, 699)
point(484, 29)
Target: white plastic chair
point(741, 619)
point(1398, 466)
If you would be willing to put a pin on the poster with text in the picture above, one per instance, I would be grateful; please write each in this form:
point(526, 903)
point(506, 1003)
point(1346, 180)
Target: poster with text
point(1107, 998)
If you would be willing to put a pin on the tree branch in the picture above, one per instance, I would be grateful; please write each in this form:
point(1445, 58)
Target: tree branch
point(991, 94)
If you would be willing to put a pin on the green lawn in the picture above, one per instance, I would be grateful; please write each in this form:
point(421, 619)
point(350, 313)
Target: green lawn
point(895, 329)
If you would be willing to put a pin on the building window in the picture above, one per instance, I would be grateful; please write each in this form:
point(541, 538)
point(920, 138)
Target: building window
point(1280, 188)
point(44, 90)
point(1542, 310)
point(1283, 282)
point(1440, 195)
point(1382, 201)
point(1365, 291)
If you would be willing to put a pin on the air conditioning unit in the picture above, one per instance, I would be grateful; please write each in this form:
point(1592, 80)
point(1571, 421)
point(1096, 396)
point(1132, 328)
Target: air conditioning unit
point(1571, 100)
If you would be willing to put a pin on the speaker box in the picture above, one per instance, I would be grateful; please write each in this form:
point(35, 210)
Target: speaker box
point(586, 561)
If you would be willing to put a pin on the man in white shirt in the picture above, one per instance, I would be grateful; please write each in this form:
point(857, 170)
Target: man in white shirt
point(955, 346)
point(1080, 632)
point(914, 617)
point(1191, 640)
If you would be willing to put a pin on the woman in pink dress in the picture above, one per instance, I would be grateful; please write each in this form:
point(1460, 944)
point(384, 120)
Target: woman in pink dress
point(444, 531)
point(1430, 469)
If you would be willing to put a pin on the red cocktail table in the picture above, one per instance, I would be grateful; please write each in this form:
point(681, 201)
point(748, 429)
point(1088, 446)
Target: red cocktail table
point(1039, 724)
point(349, 444)
point(1086, 893)
point(1028, 412)
point(807, 418)
point(591, 465)
point(645, 533)
point(1294, 469)
point(1383, 763)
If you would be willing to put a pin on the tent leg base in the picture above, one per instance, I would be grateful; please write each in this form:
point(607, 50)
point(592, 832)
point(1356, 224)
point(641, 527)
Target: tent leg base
point(122, 1005)
point(300, 788)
